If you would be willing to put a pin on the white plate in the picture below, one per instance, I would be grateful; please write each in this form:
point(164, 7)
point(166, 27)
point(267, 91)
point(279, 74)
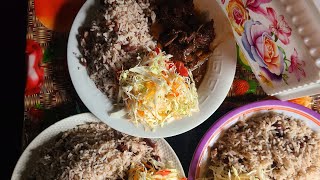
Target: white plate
point(69, 123)
point(212, 91)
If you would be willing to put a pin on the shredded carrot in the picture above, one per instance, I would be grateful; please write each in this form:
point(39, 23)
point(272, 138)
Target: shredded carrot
point(163, 114)
point(165, 77)
point(140, 113)
point(135, 177)
point(150, 84)
point(163, 172)
point(151, 89)
point(175, 87)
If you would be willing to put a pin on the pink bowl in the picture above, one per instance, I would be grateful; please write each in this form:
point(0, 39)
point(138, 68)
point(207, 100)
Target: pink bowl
point(200, 158)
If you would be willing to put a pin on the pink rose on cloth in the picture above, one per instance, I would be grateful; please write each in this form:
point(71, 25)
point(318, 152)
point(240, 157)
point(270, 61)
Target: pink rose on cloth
point(223, 1)
point(296, 66)
point(254, 5)
point(279, 26)
point(260, 46)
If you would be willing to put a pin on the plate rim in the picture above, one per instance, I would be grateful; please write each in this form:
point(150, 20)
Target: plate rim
point(82, 117)
point(214, 127)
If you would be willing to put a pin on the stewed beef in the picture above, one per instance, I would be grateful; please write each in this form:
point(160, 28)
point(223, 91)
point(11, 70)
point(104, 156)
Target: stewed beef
point(185, 35)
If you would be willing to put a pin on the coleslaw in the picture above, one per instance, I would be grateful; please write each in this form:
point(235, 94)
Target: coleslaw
point(220, 173)
point(142, 172)
point(157, 91)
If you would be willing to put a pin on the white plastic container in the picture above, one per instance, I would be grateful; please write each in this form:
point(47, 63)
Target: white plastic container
point(281, 40)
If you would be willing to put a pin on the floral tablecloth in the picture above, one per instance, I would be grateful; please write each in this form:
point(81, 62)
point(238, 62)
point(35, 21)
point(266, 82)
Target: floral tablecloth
point(49, 94)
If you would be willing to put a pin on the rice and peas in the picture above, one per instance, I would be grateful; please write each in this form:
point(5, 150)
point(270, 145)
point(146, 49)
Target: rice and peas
point(266, 146)
point(117, 41)
point(114, 40)
point(95, 151)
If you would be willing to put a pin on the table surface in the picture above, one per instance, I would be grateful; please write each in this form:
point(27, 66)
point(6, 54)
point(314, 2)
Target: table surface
point(55, 98)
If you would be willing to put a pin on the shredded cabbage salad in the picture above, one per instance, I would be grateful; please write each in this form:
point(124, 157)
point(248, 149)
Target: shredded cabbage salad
point(141, 172)
point(154, 93)
point(220, 173)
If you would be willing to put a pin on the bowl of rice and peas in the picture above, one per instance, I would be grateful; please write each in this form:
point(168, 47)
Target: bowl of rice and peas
point(261, 141)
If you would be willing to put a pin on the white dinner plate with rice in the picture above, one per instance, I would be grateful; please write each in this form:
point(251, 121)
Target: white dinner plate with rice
point(211, 93)
point(199, 166)
point(69, 123)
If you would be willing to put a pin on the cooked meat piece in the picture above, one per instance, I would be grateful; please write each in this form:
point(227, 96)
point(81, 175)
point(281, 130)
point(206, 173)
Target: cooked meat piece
point(199, 60)
point(185, 38)
point(202, 41)
point(199, 28)
point(198, 74)
point(176, 8)
point(189, 59)
point(182, 8)
point(175, 13)
point(168, 38)
point(163, 13)
point(205, 35)
point(176, 51)
point(207, 29)
point(176, 23)
point(156, 29)
point(189, 49)
point(204, 56)
point(198, 52)
point(193, 22)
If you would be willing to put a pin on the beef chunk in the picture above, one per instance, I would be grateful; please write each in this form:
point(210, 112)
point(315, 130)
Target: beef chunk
point(168, 38)
point(175, 50)
point(185, 36)
point(205, 35)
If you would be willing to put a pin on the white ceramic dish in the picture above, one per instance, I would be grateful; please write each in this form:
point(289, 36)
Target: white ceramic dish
point(212, 91)
point(199, 163)
point(69, 123)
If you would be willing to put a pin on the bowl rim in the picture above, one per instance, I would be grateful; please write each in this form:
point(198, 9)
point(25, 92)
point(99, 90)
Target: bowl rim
point(215, 126)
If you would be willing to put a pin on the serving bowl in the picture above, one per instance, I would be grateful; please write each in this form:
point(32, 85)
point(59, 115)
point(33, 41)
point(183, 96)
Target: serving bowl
point(212, 91)
point(201, 157)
